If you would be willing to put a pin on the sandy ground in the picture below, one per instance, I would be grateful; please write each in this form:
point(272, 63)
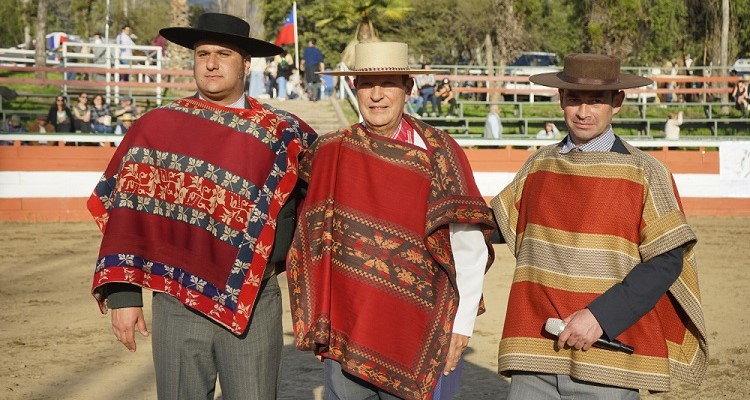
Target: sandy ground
point(54, 344)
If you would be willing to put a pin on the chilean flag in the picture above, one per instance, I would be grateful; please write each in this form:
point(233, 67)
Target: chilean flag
point(286, 33)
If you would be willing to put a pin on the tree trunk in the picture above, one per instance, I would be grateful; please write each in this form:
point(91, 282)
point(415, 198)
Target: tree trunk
point(489, 49)
point(178, 57)
point(723, 55)
point(40, 59)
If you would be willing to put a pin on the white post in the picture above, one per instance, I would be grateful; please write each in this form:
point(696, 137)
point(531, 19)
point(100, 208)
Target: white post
point(296, 37)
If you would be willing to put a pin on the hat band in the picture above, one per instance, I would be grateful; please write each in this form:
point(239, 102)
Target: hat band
point(588, 81)
point(381, 69)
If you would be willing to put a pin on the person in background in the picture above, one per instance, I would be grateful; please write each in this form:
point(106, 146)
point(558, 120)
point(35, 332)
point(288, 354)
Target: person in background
point(40, 125)
point(415, 102)
point(124, 123)
point(672, 126)
point(549, 132)
point(198, 205)
point(11, 125)
point(602, 245)
point(256, 83)
point(284, 65)
point(82, 114)
point(445, 95)
point(393, 220)
point(60, 116)
point(101, 115)
point(493, 127)
point(312, 63)
point(426, 84)
point(126, 106)
point(125, 39)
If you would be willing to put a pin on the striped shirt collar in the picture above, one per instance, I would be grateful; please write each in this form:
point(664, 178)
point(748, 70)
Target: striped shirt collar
point(602, 142)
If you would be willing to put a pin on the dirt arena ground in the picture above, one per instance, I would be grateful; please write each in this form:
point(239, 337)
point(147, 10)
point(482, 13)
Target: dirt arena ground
point(54, 344)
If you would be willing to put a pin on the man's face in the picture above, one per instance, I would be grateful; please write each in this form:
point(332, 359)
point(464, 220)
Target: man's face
point(381, 100)
point(588, 114)
point(220, 71)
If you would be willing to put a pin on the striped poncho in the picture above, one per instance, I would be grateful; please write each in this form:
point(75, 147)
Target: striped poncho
point(189, 203)
point(577, 223)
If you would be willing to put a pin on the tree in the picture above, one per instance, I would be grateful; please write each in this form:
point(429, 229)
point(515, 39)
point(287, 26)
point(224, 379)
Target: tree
point(360, 14)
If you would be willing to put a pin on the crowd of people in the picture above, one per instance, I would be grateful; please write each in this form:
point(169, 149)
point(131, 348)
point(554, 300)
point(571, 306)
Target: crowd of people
point(96, 117)
point(386, 239)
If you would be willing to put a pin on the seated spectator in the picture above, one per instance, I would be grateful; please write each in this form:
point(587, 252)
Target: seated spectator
point(60, 116)
point(101, 116)
point(42, 126)
point(549, 132)
point(672, 126)
point(445, 95)
point(82, 115)
point(125, 122)
point(740, 96)
point(126, 106)
point(11, 125)
point(415, 102)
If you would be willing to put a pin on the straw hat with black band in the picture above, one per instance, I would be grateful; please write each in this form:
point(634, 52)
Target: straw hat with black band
point(222, 28)
point(381, 58)
point(593, 72)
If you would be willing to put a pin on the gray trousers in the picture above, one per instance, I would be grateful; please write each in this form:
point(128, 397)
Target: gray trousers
point(190, 350)
point(525, 385)
point(340, 385)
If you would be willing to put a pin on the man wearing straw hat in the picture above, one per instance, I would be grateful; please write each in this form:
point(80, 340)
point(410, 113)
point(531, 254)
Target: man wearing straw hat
point(604, 249)
point(191, 208)
point(387, 263)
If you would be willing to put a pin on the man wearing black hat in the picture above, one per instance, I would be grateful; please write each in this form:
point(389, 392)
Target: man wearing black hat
point(197, 205)
point(604, 253)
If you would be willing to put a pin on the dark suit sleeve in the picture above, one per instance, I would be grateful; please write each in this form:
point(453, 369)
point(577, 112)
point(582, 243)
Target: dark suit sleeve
point(286, 223)
point(121, 295)
point(625, 303)
point(496, 237)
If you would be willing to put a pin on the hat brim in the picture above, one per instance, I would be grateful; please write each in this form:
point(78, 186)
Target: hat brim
point(384, 72)
point(624, 81)
point(188, 37)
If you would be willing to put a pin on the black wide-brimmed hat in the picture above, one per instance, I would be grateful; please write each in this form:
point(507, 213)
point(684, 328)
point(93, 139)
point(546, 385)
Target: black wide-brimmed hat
point(221, 28)
point(583, 71)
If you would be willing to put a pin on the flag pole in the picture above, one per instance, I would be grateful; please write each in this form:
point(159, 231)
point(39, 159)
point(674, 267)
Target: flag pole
point(296, 41)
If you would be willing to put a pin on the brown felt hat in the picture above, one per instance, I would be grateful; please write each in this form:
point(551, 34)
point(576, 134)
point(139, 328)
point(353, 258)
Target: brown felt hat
point(583, 71)
point(222, 28)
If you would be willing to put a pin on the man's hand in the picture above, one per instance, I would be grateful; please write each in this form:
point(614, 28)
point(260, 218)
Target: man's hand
point(123, 322)
point(457, 346)
point(581, 330)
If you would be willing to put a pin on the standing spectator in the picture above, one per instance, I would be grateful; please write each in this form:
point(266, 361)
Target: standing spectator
point(493, 128)
point(672, 126)
point(312, 62)
point(328, 83)
point(284, 65)
point(100, 54)
point(257, 68)
point(294, 86)
point(426, 85)
point(125, 41)
point(60, 116)
point(445, 95)
point(549, 132)
point(601, 243)
point(393, 221)
point(82, 114)
point(101, 116)
point(190, 206)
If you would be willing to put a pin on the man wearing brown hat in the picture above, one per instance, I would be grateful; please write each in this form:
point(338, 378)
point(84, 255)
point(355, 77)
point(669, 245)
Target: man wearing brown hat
point(387, 263)
point(191, 208)
point(605, 298)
